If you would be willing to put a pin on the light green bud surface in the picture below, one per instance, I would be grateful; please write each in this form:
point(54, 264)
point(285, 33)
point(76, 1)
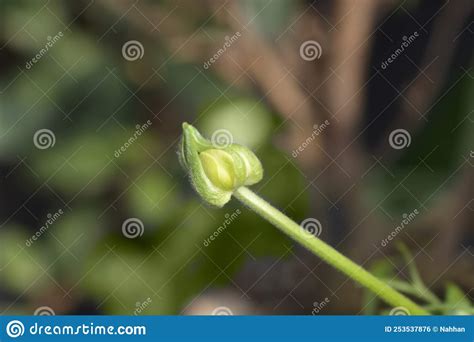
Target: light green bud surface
point(216, 172)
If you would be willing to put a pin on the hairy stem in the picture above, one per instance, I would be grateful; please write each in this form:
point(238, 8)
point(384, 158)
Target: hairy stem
point(326, 252)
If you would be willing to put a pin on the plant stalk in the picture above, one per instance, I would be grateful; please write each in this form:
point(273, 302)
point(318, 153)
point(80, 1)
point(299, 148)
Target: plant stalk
point(326, 252)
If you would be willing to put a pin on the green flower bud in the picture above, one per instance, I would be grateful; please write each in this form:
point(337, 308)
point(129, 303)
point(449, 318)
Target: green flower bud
point(219, 168)
point(215, 171)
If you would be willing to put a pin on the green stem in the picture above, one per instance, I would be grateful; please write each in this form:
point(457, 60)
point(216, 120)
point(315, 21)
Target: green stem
point(326, 252)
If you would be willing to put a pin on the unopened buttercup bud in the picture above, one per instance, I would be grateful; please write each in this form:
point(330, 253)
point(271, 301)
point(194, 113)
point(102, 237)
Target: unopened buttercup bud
point(216, 172)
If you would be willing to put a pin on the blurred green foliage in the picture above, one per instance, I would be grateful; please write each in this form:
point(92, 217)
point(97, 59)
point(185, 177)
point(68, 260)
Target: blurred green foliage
point(92, 99)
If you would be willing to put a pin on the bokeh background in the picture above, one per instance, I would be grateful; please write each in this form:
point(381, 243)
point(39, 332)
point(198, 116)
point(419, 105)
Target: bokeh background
point(92, 98)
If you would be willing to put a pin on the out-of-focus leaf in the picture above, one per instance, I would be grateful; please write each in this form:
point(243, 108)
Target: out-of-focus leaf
point(22, 266)
point(248, 121)
point(435, 153)
point(79, 164)
point(410, 264)
point(153, 196)
point(270, 18)
point(40, 23)
point(457, 301)
point(73, 236)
